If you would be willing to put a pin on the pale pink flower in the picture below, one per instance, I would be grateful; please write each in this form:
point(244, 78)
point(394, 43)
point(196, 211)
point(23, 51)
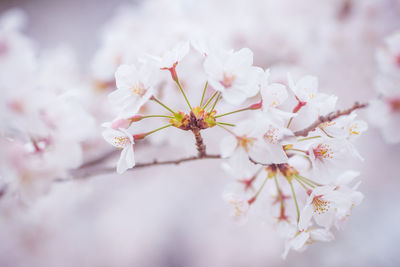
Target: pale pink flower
point(134, 88)
point(384, 113)
point(233, 74)
point(274, 95)
point(258, 139)
point(301, 240)
point(240, 205)
point(121, 139)
point(174, 56)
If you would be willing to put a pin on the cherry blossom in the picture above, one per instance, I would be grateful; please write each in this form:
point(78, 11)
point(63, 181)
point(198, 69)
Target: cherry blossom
point(134, 88)
point(302, 239)
point(233, 74)
point(122, 139)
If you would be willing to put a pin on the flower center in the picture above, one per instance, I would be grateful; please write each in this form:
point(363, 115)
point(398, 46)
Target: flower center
point(321, 206)
point(353, 130)
point(245, 142)
point(271, 136)
point(120, 141)
point(323, 151)
point(238, 207)
point(227, 80)
point(139, 89)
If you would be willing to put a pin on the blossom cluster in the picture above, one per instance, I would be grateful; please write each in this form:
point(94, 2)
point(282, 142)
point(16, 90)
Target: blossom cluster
point(41, 107)
point(282, 141)
point(298, 173)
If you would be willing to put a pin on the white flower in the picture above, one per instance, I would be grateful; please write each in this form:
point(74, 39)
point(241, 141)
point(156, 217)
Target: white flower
point(305, 89)
point(321, 206)
point(327, 154)
point(312, 104)
point(172, 57)
point(301, 240)
point(233, 74)
point(349, 193)
point(240, 205)
point(345, 127)
point(273, 95)
point(122, 140)
point(385, 114)
point(135, 88)
point(257, 138)
point(388, 56)
point(331, 204)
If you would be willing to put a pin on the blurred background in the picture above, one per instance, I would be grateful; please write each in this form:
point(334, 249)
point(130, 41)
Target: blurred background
point(175, 216)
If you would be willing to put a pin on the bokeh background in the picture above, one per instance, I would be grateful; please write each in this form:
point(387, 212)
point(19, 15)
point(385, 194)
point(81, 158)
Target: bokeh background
point(175, 216)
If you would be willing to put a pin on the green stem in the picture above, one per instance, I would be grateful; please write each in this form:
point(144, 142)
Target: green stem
point(215, 102)
point(157, 116)
point(158, 129)
point(204, 92)
point(308, 138)
point(309, 180)
point(294, 198)
point(260, 189)
point(162, 104)
point(323, 130)
point(301, 183)
point(290, 121)
point(209, 100)
point(226, 129)
point(232, 112)
point(227, 124)
point(183, 93)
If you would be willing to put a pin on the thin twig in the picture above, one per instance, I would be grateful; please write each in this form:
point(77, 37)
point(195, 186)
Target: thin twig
point(99, 159)
point(84, 173)
point(330, 117)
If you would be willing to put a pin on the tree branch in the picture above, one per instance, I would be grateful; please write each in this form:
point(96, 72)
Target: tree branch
point(99, 159)
point(330, 117)
point(86, 172)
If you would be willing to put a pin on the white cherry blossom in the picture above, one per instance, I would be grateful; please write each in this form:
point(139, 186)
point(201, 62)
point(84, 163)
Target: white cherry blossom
point(257, 138)
point(233, 74)
point(240, 205)
point(174, 56)
point(121, 139)
point(135, 86)
point(273, 96)
point(301, 240)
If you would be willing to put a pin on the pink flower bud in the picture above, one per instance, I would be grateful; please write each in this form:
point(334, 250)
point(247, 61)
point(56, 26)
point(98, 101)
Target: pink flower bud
point(256, 105)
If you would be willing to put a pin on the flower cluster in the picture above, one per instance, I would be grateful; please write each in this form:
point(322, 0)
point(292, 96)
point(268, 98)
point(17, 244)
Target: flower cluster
point(284, 144)
point(44, 122)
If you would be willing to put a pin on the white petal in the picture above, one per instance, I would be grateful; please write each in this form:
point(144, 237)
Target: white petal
point(228, 145)
point(274, 94)
point(234, 96)
point(325, 219)
point(110, 134)
point(240, 60)
point(321, 235)
point(305, 217)
point(122, 165)
point(126, 76)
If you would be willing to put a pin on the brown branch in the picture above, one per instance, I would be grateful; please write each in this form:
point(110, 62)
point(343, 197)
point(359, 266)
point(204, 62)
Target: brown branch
point(99, 159)
point(201, 147)
point(83, 173)
point(330, 117)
